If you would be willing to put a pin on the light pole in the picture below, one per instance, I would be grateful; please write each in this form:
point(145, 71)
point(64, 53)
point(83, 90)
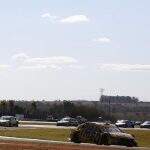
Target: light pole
point(101, 92)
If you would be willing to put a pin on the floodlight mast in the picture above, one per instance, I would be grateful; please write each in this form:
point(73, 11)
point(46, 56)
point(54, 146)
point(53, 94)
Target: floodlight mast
point(101, 92)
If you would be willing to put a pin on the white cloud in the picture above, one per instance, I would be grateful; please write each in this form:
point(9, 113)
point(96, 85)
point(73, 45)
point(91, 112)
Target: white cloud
point(124, 67)
point(46, 15)
point(102, 40)
point(20, 57)
point(51, 60)
point(31, 67)
point(52, 18)
point(55, 62)
point(80, 67)
point(75, 19)
point(70, 19)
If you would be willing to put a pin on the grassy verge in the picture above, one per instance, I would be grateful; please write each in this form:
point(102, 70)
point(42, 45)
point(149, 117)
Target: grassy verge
point(45, 134)
point(142, 136)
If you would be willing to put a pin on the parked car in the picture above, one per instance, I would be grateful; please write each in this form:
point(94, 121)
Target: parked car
point(81, 119)
point(124, 124)
point(138, 123)
point(101, 119)
point(67, 121)
point(101, 133)
point(8, 121)
point(146, 124)
point(51, 118)
point(132, 122)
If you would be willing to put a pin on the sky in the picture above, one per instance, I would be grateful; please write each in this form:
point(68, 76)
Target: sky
point(69, 49)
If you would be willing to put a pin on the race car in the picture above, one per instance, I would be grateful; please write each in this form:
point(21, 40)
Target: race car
point(101, 134)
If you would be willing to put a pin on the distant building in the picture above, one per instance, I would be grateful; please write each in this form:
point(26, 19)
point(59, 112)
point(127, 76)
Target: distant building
point(118, 99)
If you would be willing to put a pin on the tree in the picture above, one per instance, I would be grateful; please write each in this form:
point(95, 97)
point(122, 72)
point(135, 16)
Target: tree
point(3, 106)
point(33, 109)
point(11, 106)
point(33, 106)
point(19, 110)
point(68, 108)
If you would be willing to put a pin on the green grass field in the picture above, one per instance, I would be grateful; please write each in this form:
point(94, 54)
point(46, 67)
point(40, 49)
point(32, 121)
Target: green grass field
point(142, 136)
point(45, 134)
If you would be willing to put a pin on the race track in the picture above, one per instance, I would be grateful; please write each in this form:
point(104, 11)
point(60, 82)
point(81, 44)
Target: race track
point(64, 127)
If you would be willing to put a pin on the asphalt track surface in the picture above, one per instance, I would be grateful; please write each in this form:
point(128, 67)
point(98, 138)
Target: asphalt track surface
point(40, 124)
point(31, 126)
point(64, 127)
point(46, 124)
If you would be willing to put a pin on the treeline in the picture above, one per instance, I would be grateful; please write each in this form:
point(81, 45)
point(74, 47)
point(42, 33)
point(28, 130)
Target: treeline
point(58, 109)
point(68, 108)
point(91, 110)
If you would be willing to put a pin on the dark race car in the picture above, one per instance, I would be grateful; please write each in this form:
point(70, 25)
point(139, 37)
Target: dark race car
point(101, 133)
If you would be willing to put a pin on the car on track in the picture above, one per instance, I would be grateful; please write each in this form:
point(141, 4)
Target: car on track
point(67, 121)
point(146, 124)
point(101, 134)
point(8, 121)
point(124, 124)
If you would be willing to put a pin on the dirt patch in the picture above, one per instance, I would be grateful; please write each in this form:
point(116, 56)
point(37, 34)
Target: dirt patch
point(36, 146)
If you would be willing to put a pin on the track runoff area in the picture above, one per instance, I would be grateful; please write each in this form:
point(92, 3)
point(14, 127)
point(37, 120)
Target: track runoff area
point(27, 142)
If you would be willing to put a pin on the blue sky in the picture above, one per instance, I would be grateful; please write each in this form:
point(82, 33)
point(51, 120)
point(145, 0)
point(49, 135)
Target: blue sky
point(69, 49)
